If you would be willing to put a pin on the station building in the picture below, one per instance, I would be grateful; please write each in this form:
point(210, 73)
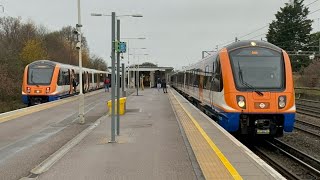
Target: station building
point(148, 73)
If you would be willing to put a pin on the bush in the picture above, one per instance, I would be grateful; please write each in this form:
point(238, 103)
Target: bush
point(311, 74)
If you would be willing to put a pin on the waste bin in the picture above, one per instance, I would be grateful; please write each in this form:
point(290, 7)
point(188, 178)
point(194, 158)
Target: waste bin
point(122, 106)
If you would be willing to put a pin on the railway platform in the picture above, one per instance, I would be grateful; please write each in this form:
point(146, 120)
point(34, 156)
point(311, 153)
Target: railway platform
point(162, 136)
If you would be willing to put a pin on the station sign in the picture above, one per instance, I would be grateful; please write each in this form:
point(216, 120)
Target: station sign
point(120, 47)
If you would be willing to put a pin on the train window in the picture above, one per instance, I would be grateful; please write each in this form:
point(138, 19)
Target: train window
point(101, 77)
point(217, 83)
point(60, 78)
point(197, 78)
point(206, 77)
point(257, 67)
point(40, 75)
point(78, 77)
point(95, 78)
point(188, 78)
point(66, 76)
point(90, 78)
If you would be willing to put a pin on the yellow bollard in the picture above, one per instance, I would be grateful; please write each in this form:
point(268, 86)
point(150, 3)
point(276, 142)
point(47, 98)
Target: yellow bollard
point(122, 106)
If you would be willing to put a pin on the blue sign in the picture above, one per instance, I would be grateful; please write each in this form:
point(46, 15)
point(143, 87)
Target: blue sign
point(122, 47)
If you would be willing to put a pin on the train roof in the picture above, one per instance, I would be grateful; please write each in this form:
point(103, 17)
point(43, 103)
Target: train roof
point(233, 46)
point(250, 43)
point(53, 63)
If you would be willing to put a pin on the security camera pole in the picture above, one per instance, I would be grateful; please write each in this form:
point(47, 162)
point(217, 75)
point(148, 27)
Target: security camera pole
point(81, 97)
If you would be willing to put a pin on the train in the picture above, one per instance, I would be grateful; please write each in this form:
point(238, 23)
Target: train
point(246, 87)
point(46, 81)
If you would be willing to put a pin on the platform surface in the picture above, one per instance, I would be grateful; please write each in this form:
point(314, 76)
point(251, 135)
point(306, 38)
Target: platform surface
point(30, 135)
point(150, 146)
point(160, 140)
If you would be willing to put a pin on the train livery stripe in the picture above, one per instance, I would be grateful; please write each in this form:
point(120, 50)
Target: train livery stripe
point(233, 172)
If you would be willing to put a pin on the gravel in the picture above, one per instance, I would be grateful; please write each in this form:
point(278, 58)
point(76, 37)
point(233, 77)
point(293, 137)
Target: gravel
point(304, 142)
point(288, 163)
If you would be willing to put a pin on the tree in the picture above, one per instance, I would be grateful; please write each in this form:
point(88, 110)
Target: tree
point(33, 50)
point(291, 29)
point(315, 42)
point(98, 63)
point(311, 74)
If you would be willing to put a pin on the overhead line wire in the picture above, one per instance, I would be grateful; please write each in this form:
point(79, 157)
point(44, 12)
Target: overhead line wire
point(268, 25)
point(311, 3)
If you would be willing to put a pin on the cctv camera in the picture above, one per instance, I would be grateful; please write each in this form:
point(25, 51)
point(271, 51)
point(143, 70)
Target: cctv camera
point(78, 45)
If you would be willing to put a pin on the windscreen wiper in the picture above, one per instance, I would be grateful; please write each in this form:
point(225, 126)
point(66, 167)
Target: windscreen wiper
point(247, 84)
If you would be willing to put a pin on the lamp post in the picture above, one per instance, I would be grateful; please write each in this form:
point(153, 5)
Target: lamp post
point(128, 42)
point(113, 74)
point(81, 96)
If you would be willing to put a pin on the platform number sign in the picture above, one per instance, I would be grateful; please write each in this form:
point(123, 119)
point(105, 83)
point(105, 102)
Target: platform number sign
point(121, 47)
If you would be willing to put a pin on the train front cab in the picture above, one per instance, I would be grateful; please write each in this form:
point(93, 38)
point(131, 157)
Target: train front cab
point(251, 112)
point(39, 82)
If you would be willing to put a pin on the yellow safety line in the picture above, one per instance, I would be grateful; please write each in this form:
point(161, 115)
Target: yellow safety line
point(222, 158)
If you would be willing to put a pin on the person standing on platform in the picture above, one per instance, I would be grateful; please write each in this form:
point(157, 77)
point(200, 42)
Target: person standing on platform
point(106, 84)
point(158, 84)
point(74, 84)
point(164, 86)
point(141, 82)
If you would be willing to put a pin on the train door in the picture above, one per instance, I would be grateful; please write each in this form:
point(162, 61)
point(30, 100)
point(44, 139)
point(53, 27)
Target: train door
point(98, 80)
point(200, 85)
point(71, 76)
point(87, 81)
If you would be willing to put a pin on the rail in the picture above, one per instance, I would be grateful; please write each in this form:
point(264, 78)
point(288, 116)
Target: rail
point(303, 163)
point(308, 127)
point(279, 167)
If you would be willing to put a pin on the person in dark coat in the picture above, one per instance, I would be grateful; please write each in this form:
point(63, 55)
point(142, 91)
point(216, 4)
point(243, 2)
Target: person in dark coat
point(164, 86)
point(74, 84)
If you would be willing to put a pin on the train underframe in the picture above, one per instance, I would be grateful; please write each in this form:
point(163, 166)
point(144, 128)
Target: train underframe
point(35, 100)
point(261, 124)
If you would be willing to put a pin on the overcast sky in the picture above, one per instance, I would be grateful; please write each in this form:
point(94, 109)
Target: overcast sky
point(176, 30)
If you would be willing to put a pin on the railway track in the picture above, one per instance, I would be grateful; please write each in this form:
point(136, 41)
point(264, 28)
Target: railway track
point(309, 111)
point(308, 107)
point(293, 163)
point(308, 127)
point(277, 166)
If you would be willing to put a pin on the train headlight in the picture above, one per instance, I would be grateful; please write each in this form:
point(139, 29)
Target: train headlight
point(282, 101)
point(241, 102)
point(28, 90)
point(47, 89)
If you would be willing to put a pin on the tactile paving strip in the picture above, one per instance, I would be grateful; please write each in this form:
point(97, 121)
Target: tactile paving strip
point(212, 165)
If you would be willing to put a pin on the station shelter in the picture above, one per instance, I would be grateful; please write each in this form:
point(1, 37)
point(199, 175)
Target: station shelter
point(147, 75)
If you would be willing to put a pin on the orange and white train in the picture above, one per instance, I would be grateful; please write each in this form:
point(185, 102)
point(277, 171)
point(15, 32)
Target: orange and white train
point(46, 81)
point(247, 87)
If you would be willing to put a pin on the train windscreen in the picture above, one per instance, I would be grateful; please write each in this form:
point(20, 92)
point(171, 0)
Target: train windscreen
point(256, 68)
point(40, 75)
